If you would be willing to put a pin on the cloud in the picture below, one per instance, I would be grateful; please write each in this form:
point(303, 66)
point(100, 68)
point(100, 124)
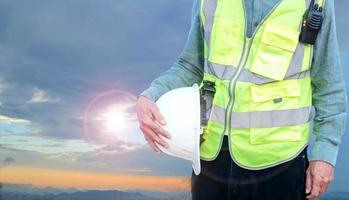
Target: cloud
point(7, 119)
point(8, 161)
point(68, 52)
point(124, 153)
point(141, 161)
point(40, 96)
point(44, 145)
point(120, 147)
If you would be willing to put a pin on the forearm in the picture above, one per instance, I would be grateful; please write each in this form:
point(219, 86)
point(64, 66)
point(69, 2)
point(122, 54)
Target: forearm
point(181, 74)
point(329, 92)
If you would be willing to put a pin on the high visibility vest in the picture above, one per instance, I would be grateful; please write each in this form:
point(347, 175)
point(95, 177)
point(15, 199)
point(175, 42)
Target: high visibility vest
point(263, 98)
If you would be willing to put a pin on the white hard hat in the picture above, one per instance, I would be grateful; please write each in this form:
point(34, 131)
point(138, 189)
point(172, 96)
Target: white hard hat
point(181, 109)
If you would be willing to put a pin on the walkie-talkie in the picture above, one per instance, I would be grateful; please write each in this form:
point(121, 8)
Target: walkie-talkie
point(312, 22)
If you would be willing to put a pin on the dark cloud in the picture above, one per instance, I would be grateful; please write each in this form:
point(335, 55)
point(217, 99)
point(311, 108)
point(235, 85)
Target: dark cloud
point(8, 161)
point(141, 161)
point(74, 50)
point(120, 147)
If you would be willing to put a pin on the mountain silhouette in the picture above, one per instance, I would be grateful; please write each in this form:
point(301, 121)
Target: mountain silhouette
point(84, 195)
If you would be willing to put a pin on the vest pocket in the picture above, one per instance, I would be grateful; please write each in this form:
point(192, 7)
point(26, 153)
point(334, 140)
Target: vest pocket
point(225, 40)
point(274, 90)
point(275, 51)
point(279, 95)
point(272, 112)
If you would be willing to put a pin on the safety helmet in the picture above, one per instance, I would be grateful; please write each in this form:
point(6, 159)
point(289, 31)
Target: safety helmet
point(181, 110)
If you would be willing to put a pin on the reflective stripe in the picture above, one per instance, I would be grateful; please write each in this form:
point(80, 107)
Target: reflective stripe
point(247, 76)
point(217, 114)
point(263, 119)
point(225, 72)
point(297, 60)
point(267, 119)
point(209, 9)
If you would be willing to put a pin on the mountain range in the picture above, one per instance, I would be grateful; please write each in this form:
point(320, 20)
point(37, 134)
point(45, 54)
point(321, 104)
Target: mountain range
point(30, 192)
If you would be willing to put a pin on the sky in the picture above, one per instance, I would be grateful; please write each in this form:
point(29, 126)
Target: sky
point(70, 72)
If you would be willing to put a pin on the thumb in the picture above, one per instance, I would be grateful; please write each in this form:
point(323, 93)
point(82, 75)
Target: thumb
point(158, 116)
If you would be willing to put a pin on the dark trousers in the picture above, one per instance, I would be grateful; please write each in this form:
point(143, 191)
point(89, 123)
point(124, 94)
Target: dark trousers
point(222, 179)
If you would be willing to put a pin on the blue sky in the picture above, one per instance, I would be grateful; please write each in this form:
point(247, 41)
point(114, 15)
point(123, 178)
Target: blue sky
point(64, 61)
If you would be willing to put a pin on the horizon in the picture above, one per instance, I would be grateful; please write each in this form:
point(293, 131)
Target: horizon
point(70, 73)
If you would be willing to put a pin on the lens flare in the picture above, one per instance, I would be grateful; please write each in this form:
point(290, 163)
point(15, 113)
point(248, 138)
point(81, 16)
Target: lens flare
point(114, 121)
point(108, 115)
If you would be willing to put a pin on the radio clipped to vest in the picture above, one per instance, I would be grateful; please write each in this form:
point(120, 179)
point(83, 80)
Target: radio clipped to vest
point(206, 93)
point(312, 22)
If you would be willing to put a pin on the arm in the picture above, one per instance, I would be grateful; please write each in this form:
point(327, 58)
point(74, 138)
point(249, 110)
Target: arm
point(188, 69)
point(329, 100)
point(329, 92)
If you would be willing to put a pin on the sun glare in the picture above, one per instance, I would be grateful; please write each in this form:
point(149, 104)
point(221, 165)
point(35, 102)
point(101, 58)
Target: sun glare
point(109, 116)
point(114, 120)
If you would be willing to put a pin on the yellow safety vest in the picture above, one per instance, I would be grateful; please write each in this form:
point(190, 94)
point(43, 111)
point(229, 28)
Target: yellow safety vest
point(263, 96)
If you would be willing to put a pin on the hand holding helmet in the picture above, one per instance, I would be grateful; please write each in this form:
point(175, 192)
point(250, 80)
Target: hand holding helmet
point(150, 121)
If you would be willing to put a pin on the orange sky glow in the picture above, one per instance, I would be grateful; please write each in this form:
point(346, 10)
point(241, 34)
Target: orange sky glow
point(86, 180)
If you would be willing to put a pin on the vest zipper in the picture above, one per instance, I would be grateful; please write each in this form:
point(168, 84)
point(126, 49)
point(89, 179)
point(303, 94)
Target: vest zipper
point(231, 88)
point(245, 55)
point(232, 82)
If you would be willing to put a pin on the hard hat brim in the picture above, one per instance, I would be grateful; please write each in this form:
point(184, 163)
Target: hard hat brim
point(196, 162)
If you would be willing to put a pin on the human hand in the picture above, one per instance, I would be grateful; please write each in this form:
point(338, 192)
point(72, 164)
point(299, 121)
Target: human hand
point(319, 175)
point(150, 119)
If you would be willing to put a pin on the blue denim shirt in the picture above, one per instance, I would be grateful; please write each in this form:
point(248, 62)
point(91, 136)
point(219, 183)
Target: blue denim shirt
point(329, 93)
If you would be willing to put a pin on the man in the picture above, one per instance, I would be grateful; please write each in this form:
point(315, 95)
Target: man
point(266, 80)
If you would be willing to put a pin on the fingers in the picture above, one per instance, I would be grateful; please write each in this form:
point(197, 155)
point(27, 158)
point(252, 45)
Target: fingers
point(158, 140)
point(158, 129)
point(158, 116)
point(319, 175)
point(153, 145)
point(318, 185)
point(315, 187)
point(324, 185)
point(148, 122)
point(308, 183)
point(150, 119)
point(151, 134)
point(148, 114)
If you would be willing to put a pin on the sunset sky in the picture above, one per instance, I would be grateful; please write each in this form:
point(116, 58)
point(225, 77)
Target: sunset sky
point(70, 72)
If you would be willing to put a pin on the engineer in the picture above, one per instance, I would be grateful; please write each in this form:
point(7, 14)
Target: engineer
point(278, 79)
